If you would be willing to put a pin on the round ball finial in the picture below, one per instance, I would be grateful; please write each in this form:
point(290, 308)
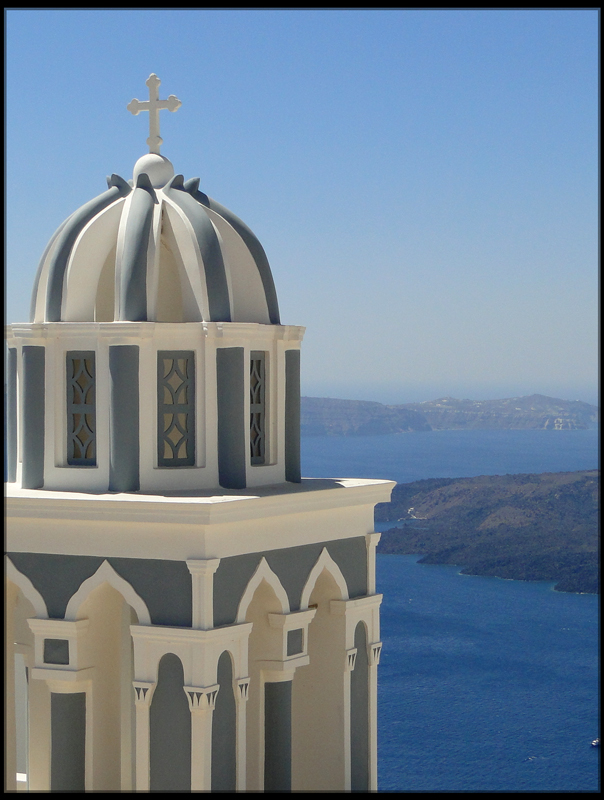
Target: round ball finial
point(158, 168)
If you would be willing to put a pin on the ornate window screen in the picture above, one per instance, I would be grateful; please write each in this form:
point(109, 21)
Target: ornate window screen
point(176, 408)
point(81, 409)
point(257, 407)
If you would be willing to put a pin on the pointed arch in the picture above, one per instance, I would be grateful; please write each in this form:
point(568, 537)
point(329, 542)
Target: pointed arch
point(324, 562)
point(106, 574)
point(29, 590)
point(263, 573)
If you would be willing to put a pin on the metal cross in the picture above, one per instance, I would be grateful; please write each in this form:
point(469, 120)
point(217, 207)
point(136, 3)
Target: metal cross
point(154, 105)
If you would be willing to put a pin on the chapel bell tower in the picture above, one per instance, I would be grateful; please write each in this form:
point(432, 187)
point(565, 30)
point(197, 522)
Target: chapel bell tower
point(185, 612)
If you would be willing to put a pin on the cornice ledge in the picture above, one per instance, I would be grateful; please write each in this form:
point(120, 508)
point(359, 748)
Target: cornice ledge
point(187, 510)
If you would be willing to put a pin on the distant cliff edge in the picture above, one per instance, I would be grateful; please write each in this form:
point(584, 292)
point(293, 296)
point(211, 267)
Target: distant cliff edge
point(526, 527)
point(323, 416)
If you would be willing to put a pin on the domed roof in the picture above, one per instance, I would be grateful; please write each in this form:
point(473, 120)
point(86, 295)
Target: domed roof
point(154, 249)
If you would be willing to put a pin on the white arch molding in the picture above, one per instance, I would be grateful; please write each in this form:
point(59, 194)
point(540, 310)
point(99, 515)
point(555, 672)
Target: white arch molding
point(106, 574)
point(26, 586)
point(263, 573)
point(324, 562)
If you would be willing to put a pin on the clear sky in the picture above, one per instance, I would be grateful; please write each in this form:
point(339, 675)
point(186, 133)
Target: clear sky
point(424, 182)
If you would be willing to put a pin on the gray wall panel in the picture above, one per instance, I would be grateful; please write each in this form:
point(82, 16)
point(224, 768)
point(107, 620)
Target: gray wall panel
point(233, 437)
point(11, 415)
point(165, 586)
point(278, 737)
point(68, 742)
point(292, 416)
point(124, 419)
point(292, 566)
point(224, 731)
point(170, 730)
point(32, 413)
point(359, 714)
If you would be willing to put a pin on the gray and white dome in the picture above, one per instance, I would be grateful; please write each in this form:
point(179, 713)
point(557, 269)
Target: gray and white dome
point(154, 249)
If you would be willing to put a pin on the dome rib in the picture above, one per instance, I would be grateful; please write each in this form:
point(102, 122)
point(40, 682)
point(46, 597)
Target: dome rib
point(40, 272)
point(219, 305)
point(65, 240)
point(132, 301)
point(228, 274)
point(191, 186)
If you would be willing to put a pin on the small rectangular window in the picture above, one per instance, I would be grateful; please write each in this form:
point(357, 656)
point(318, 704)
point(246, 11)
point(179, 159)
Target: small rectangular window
point(257, 408)
point(81, 409)
point(176, 408)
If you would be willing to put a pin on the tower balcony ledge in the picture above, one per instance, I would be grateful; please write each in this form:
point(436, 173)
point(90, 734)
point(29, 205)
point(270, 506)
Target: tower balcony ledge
point(192, 525)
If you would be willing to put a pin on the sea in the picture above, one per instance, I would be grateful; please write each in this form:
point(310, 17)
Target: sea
point(484, 684)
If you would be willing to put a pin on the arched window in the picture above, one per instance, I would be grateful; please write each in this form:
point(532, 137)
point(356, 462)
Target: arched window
point(224, 730)
point(170, 730)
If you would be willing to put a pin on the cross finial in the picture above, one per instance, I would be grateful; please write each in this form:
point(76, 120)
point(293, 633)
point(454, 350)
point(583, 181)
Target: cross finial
point(154, 105)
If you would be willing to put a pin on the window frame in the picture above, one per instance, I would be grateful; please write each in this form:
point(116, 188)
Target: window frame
point(188, 409)
point(87, 409)
point(257, 396)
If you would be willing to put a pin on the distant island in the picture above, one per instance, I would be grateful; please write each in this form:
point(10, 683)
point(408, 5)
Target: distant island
point(323, 416)
point(526, 527)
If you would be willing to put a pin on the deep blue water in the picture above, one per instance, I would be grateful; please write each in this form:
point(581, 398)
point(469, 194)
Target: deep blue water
point(485, 685)
point(406, 457)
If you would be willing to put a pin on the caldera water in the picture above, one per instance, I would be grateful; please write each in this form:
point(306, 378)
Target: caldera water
point(485, 685)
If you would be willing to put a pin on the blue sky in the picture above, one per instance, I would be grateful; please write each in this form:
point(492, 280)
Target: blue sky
point(424, 182)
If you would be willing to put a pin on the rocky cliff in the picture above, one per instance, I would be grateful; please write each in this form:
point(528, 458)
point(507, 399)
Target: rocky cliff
point(526, 527)
point(322, 416)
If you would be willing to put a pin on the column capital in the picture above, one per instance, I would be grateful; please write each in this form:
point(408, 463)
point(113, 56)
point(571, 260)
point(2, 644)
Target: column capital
point(242, 689)
point(201, 698)
point(143, 692)
point(375, 650)
point(202, 566)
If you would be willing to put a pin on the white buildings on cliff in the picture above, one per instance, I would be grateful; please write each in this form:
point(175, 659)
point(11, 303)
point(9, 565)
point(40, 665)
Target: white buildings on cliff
point(184, 611)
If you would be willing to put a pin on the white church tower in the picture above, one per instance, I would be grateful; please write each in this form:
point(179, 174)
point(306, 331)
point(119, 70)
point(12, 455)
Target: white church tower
point(184, 611)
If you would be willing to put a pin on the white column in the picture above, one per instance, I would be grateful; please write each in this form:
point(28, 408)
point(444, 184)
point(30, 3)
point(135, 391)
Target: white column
point(202, 582)
point(199, 652)
point(241, 689)
point(202, 701)
point(73, 677)
point(143, 694)
point(366, 609)
point(349, 662)
point(371, 541)
point(10, 752)
point(38, 775)
point(374, 659)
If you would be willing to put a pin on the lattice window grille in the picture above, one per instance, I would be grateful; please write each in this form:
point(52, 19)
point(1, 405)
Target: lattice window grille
point(176, 408)
point(81, 409)
point(257, 408)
